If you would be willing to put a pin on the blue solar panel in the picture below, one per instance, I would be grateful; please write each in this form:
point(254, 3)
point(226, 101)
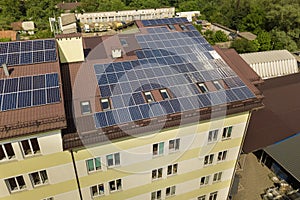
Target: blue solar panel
point(3, 48)
point(50, 55)
point(51, 80)
point(135, 113)
point(38, 45)
point(117, 102)
point(138, 98)
point(38, 81)
point(157, 109)
point(24, 99)
point(26, 58)
point(167, 106)
point(110, 118)
point(1, 86)
point(112, 78)
point(53, 95)
point(25, 83)
point(13, 47)
point(247, 92)
point(49, 44)
point(38, 56)
point(100, 120)
point(13, 59)
point(238, 92)
point(11, 85)
point(124, 115)
point(39, 97)
point(145, 111)
point(9, 101)
point(26, 46)
point(3, 59)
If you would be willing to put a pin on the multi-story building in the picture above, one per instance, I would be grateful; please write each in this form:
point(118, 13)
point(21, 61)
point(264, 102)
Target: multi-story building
point(151, 115)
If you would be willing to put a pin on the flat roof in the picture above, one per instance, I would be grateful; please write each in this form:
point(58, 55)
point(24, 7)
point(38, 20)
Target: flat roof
point(267, 56)
point(290, 147)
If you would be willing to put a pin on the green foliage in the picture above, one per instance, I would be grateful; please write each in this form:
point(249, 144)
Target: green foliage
point(220, 36)
point(283, 41)
point(264, 40)
point(245, 46)
point(5, 39)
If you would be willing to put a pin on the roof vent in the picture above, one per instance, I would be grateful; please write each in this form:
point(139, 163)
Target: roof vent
point(6, 72)
point(116, 53)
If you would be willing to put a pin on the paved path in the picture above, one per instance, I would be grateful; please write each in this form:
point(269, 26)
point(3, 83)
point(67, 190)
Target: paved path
point(254, 179)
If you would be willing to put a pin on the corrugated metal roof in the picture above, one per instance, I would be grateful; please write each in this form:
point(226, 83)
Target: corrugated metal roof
point(267, 56)
point(290, 147)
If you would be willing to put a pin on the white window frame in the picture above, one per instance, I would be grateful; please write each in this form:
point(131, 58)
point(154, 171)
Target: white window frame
point(203, 88)
point(164, 91)
point(209, 158)
point(105, 100)
point(49, 198)
point(94, 164)
point(115, 161)
point(203, 197)
point(174, 145)
point(217, 177)
point(157, 174)
point(213, 136)
point(85, 104)
point(4, 149)
point(227, 132)
point(149, 94)
point(115, 184)
point(30, 151)
point(204, 180)
point(160, 149)
point(98, 191)
point(222, 155)
point(18, 186)
point(218, 85)
point(213, 196)
point(172, 169)
point(171, 192)
point(155, 196)
point(41, 178)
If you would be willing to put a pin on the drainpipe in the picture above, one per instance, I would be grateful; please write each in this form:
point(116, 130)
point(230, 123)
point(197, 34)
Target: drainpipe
point(76, 174)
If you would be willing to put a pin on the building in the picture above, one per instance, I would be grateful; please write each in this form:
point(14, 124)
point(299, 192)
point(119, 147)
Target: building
point(151, 115)
point(270, 64)
point(67, 7)
point(190, 15)
point(67, 23)
point(125, 15)
point(10, 35)
point(32, 116)
point(24, 27)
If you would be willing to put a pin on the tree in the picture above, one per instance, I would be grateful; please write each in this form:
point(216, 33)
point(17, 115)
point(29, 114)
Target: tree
point(282, 41)
point(220, 36)
point(245, 46)
point(264, 40)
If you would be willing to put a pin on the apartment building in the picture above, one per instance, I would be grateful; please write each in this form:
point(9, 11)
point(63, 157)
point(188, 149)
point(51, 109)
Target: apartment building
point(154, 114)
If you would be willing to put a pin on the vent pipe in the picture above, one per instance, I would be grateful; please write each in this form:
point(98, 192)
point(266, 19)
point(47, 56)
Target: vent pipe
point(6, 72)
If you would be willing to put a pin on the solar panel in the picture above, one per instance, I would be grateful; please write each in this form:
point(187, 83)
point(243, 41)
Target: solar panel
point(153, 22)
point(29, 91)
point(26, 46)
point(26, 58)
point(3, 48)
point(13, 47)
point(13, 59)
point(135, 113)
point(38, 45)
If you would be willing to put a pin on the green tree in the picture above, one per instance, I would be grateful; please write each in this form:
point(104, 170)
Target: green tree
point(220, 36)
point(282, 41)
point(264, 40)
point(245, 46)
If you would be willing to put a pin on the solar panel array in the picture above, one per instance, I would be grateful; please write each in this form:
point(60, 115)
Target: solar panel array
point(167, 59)
point(27, 52)
point(28, 91)
point(157, 22)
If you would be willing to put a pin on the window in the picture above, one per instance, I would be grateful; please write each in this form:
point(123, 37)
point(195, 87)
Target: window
point(158, 149)
point(123, 42)
point(172, 169)
point(208, 159)
point(15, 184)
point(174, 145)
point(149, 97)
point(213, 135)
point(170, 191)
point(6, 152)
point(171, 27)
point(164, 93)
point(156, 195)
point(85, 107)
point(213, 196)
point(222, 155)
point(105, 105)
point(217, 85)
point(39, 178)
point(204, 180)
point(113, 159)
point(203, 197)
point(217, 177)
point(115, 185)
point(30, 147)
point(183, 27)
point(157, 173)
point(93, 164)
point(202, 87)
point(97, 190)
point(227, 132)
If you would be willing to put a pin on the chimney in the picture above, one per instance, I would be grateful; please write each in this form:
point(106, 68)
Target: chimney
point(116, 53)
point(6, 72)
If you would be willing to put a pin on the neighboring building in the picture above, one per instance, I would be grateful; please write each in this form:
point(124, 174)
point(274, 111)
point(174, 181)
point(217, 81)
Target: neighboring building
point(67, 23)
point(125, 15)
point(232, 33)
point(32, 116)
point(68, 7)
point(270, 64)
point(24, 27)
point(12, 35)
point(190, 15)
point(285, 167)
point(151, 115)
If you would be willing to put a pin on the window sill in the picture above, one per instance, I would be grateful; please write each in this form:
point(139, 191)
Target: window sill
point(95, 171)
point(41, 185)
point(120, 190)
point(173, 151)
point(99, 195)
point(157, 156)
point(8, 160)
point(32, 155)
point(113, 166)
point(16, 191)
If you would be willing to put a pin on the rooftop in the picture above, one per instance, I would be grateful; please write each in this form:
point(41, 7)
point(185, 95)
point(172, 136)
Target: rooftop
point(31, 99)
point(153, 80)
point(267, 56)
